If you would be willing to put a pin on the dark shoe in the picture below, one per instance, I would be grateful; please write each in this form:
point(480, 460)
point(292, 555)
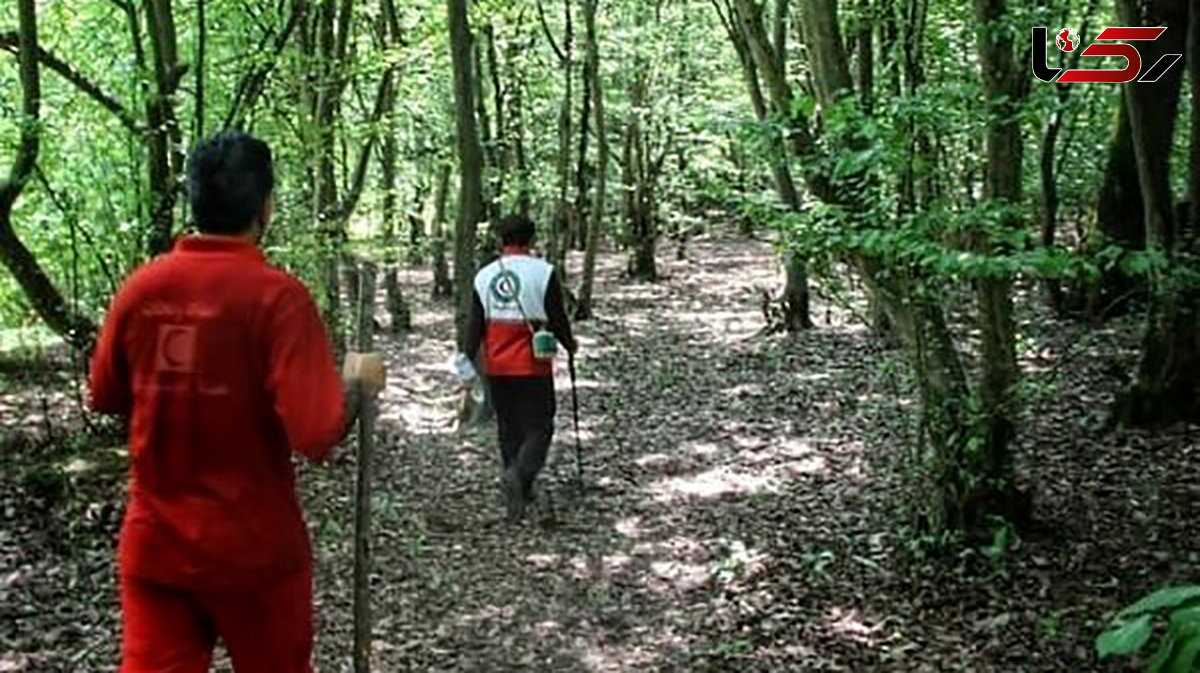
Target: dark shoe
point(514, 496)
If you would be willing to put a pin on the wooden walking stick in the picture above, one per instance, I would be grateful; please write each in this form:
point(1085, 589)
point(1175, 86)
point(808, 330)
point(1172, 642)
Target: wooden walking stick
point(362, 497)
point(575, 413)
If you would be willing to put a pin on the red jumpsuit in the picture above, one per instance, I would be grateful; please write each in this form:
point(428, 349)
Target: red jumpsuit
point(224, 368)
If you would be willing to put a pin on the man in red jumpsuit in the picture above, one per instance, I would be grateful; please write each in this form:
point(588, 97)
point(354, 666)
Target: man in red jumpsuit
point(223, 366)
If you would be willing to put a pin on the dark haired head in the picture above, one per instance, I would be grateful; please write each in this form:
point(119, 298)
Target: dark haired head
point(230, 178)
point(515, 230)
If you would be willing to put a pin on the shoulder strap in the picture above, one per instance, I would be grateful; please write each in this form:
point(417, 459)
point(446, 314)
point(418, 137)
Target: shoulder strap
point(516, 297)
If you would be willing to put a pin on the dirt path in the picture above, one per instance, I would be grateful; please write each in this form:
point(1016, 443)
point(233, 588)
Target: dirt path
point(700, 443)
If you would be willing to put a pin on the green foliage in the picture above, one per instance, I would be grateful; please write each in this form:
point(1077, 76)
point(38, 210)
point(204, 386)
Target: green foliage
point(1178, 646)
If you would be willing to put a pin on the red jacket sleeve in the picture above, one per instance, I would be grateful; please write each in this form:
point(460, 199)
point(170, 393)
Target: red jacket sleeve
point(301, 377)
point(108, 378)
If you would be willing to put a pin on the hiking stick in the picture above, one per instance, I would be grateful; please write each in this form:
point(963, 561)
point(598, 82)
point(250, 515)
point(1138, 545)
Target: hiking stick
point(362, 495)
point(575, 413)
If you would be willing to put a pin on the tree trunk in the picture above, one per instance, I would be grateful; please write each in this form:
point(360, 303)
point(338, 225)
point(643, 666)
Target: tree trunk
point(325, 193)
point(1169, 373)
point(497, 151)
point(521, 161)
point(747, 20)
point(561, 227)
point(943, 455)
point(470, 157)
point(43, 296)
point(489, 162)
point(201, 39)
point(581, 212)
point(165, 156)
point(639, 179)
point(865, 46)
point(1048, 163)
point(583, 310)
point(442, 285)
point(1005, 80)
point(397, 305)
point(416, 224)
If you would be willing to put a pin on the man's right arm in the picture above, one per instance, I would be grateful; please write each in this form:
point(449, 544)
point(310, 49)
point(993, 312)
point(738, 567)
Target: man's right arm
point(475, 328)
point(301, 377)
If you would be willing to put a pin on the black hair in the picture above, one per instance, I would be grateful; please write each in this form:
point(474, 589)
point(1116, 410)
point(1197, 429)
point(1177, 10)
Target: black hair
point(515, 230)
point(230, 177)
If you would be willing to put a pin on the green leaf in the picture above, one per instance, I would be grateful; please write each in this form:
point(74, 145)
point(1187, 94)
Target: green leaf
point(1163, 598)
point(1126, 638)
point(1184, 660)
point(1186, 618)
point(804, 106)
point(1185, 634)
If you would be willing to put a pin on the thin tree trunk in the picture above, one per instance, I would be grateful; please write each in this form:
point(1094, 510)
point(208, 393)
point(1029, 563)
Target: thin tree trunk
point(563, 216)
point(486, 138)
point(1005, 79)
point(497, 150)
point(201, 39)
point(470, 156)
point(583, 309)
point(397, 305)
point(865, 47)
point(582, 180)
point(442, 286)
point(325, 193)
point(1048, 165)
point(165, 140)
point(517, 101)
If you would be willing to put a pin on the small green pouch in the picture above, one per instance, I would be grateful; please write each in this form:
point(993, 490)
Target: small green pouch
point(545, 345)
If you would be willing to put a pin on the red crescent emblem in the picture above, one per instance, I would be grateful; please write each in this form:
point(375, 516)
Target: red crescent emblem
point(176, 350)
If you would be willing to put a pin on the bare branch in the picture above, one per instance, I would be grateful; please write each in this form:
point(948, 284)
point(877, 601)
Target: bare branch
point(9, 42)
point(252, 85)
point(358, 180)
point(550, 38)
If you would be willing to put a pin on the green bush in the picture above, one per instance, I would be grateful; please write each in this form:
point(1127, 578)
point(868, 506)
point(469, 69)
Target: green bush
point(1133, 628)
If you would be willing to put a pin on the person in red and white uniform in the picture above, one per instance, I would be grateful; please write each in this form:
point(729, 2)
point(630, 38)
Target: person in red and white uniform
point(516, 296)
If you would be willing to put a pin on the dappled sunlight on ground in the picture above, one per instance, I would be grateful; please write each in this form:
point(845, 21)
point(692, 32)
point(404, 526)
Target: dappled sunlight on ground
point(717, 483)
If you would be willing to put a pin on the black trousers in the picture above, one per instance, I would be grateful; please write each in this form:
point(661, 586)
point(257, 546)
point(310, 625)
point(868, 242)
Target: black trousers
point(525, 409)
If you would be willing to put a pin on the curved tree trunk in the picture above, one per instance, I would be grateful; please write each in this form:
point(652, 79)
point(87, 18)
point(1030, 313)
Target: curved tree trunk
point(43, 296)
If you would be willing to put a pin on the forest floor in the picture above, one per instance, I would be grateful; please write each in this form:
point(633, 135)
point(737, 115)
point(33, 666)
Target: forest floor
point(739, 509)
